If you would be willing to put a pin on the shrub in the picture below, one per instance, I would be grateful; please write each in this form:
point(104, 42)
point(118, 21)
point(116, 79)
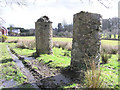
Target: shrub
point(3, 38)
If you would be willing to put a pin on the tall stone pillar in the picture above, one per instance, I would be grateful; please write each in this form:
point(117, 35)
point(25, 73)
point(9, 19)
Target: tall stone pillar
point(86, 39)
point(43, 35)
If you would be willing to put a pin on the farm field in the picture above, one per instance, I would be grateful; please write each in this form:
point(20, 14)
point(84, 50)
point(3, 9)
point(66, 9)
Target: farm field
point(60, 59)
point(110, 42)
point(33, 37)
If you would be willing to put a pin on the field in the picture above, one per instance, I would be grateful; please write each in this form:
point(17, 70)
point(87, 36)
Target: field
point(110, 42)
point(60, 59)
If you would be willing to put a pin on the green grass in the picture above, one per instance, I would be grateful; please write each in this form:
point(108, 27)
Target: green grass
point(25, 52)
point(21, 37)
point(58, 59)
point(109, 42)
point(9, 70)
point(4, 53)
point(69, 86)
point(110, 71)
point(33, 37)
point(62, 39)
point(112, 36)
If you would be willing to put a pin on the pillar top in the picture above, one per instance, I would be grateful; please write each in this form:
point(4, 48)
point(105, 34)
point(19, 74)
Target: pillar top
point(89, 13)
point(44, 19)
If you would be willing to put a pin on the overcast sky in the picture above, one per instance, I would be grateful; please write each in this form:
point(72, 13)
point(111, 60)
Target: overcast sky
point(57, 10)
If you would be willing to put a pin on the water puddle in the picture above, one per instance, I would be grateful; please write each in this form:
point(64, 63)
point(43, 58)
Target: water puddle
point(8, 84)
point(28, 58)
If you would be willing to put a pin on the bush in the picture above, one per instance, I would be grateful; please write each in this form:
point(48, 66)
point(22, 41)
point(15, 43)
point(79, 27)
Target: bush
point(3, 38)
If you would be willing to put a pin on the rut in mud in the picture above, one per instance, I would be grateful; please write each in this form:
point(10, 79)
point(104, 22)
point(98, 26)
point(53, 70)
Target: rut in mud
point(43, 77)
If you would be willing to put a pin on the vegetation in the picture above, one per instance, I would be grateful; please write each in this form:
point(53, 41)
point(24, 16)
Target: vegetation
point(61, 58)
point(3, 38)
point(57, 60)
point(93, 76)
point(9, 70)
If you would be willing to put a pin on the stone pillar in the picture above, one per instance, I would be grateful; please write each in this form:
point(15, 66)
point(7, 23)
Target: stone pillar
point(43, 35)
point(86, 39)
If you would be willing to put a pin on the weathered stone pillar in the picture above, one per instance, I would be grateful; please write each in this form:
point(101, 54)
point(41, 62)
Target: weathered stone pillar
point(86, 39)
point(43, 35)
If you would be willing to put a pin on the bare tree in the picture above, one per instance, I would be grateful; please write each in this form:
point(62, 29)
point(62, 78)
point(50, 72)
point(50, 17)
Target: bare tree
point(3, 3)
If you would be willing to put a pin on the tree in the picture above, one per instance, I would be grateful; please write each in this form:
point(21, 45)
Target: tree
point(60, 27)
point(11, 28)
point(10, 2)
point(4, 3)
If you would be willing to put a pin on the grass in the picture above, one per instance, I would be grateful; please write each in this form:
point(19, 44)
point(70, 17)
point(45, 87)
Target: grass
point(9, 70)
point(93, 76)
point(110, 71)
point(25, 52)
point(57, 59)
point(62, 58)
point(21, 37)
point(112, 36)
point(109, 42)
point(33, 37)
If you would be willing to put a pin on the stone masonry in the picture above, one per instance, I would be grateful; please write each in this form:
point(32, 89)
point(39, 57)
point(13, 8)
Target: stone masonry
point(43, 35)
point(86, 39)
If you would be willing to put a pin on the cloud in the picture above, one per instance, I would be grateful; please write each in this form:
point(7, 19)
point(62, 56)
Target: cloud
point(56, 10)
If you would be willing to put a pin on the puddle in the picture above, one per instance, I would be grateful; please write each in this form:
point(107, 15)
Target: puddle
point(8, 84)
point(28, 58)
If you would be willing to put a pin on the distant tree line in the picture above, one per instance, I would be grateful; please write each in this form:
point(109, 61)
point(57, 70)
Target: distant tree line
point(63, 30)
point(111, 25)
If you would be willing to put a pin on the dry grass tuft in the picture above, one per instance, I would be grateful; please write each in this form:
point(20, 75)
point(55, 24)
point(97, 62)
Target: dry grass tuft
point(28, 44)
point(63, 45)
point(109, 49)
point(12, 41)
point(93, 75)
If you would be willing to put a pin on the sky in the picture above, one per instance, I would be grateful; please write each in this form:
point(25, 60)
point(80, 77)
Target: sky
point(59, 11)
